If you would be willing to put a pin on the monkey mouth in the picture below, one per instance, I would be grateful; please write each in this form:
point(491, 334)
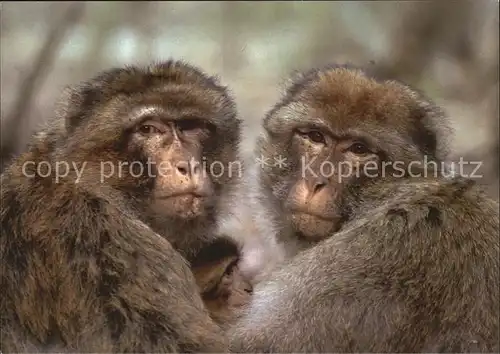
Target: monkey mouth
point(181, 205)
point(189, 194)
point(313, 226)
point(307, 213)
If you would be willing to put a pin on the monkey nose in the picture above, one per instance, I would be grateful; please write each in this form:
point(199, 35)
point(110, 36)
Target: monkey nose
point(188, 169)
point(315, 184)
point(183, 169)
point(190, 174)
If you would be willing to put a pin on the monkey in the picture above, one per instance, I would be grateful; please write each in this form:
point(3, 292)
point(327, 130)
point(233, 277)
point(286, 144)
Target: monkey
point(223, 287)
point(100, 214)
point(390, 252)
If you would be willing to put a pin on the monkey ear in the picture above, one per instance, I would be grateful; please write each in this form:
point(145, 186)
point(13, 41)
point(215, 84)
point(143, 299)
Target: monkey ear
point(68, 105)
point(289, 84)
point(295, 76)
point(75, 103)
point(436, 120)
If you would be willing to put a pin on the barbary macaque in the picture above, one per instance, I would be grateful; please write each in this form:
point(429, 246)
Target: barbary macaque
point(392, 255)
point(94, 259)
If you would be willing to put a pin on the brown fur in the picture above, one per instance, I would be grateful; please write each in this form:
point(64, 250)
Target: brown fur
point(84, 267)
point(224, 289)
point(415, 264)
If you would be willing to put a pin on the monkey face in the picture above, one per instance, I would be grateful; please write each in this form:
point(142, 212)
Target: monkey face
point(162, 149)
point(166, 135)
point(223, 287)
point(327, 165)
point(182, 187)
point(164, 139)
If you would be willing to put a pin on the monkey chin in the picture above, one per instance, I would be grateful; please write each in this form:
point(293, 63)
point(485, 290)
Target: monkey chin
point(184, 207)
point(312, 227)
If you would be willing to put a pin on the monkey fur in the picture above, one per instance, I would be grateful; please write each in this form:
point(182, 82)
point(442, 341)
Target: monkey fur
point(401, 262)
point(223, 287)
point(93, 259)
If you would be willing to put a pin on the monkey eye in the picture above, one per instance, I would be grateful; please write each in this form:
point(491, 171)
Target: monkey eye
point(191, 124)
point(150, 128)
point(359, 149)
point(231, 267)
point(314, 135)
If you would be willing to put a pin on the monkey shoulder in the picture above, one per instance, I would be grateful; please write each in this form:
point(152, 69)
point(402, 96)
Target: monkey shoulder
point(95, 251)
point(67, 224)
point(432, 203)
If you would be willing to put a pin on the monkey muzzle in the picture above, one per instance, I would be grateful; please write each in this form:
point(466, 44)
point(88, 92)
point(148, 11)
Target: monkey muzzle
point(312, 209)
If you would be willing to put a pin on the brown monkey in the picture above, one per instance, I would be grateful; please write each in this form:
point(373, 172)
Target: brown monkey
point(223, 288)
point(90, 213)
point(398, 256)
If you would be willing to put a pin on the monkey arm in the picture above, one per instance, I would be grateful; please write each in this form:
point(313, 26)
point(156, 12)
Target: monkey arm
point(127, 288)
point(362, 289)
point(298, 311)
point(157, 294)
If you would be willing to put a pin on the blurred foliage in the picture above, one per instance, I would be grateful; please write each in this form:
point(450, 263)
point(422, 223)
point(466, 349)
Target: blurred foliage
point(449, 49)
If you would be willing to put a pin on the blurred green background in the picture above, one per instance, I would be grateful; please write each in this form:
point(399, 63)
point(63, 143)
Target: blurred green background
point(449, 49)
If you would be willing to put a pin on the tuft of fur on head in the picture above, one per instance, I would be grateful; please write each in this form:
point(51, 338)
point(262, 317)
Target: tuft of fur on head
point(341, 90)
point(105, 93)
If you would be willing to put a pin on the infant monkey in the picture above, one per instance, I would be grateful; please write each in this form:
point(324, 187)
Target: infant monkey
point(223, 287)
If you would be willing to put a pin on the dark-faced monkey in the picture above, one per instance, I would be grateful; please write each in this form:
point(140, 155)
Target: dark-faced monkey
point(98, 215)
point(398, 255)
point(223, 287)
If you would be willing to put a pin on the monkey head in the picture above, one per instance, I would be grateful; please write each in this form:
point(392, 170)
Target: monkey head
point(335, 130)
point(165, 136)
point(223, 287)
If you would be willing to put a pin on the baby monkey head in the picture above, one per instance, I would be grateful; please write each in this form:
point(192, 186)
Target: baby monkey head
point(164, 136)
point(335, 131)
